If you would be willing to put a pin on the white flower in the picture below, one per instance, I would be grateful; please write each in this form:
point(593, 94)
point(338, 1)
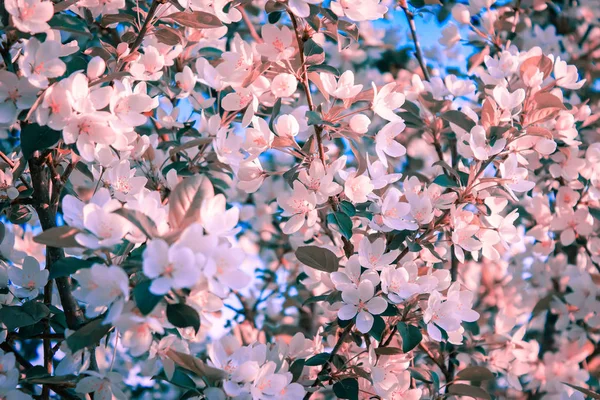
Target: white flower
point(30, 16)
point(300, 205)
point(479, 144)
point(122, 180)
point(359, 10)
point(357, 188)
point(16, 94)
point(344, 88)
point(386, 101)
point(320, 181)
point(361, 303)
point(102, 287)
point(284, 85)
point(216, 219)
point(373, 255)
point(301, 8)
point(566, 75)
point(385, 143)
point(169, 267)
point(30, 278)
point(277, 43)
point(102, 386)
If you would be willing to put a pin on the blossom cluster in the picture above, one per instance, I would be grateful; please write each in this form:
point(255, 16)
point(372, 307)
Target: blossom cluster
point(271, 200)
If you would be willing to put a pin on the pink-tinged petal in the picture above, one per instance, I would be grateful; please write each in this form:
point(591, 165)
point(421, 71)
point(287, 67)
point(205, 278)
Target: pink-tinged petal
point(366, 290)
point(347, 312)
point(364, 321)
point(376, 305)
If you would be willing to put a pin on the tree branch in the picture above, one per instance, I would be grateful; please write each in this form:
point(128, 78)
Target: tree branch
point(47, 215)
point(410, 18)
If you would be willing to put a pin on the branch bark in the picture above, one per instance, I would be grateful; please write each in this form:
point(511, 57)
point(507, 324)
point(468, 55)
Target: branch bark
point(46, 210)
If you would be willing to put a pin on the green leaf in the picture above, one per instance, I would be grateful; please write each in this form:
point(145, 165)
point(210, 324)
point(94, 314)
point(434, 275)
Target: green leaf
point(313, 53)
point(29, 313)
point(319, 359)
point(585, 391)
point(377, 328)
point(318, 258)
point(346, 389)
point(275, 113)
point(185, 200)
point(182, 316)
point(314, 118)
point(475, 374)
point(388, 351)
point(69, 23)
point(144, 299)
point(196, 19)
point(411, 336)
point(35, 137)
point(324, 68)
point(468, 390)
point(60, 236)
point(210, 52)
point(460, 119)
point(296, 369)
point(445, 181)
point(420, 375)
point(348, 208)
point(343, 222)
point(595, 213)
point(140, 221)
point(88, 335)
point(68, 266)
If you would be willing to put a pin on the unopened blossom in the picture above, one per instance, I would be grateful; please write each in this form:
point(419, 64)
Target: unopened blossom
point(286, 125)
point(284, 85)
point(359, 123)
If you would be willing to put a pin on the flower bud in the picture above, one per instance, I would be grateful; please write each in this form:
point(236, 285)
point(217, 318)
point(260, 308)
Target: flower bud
point(96, 67)
point(360, 123)
point(287, 125)
point(284, 85)
point(461, 14)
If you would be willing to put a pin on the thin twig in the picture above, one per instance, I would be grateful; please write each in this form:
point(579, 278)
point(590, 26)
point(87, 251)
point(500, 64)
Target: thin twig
point(306, 85)
point(250, 26)
point(326, 367)
point(410, 18)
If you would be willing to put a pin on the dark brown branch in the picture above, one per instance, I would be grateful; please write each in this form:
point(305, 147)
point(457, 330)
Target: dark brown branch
point(46, 211)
